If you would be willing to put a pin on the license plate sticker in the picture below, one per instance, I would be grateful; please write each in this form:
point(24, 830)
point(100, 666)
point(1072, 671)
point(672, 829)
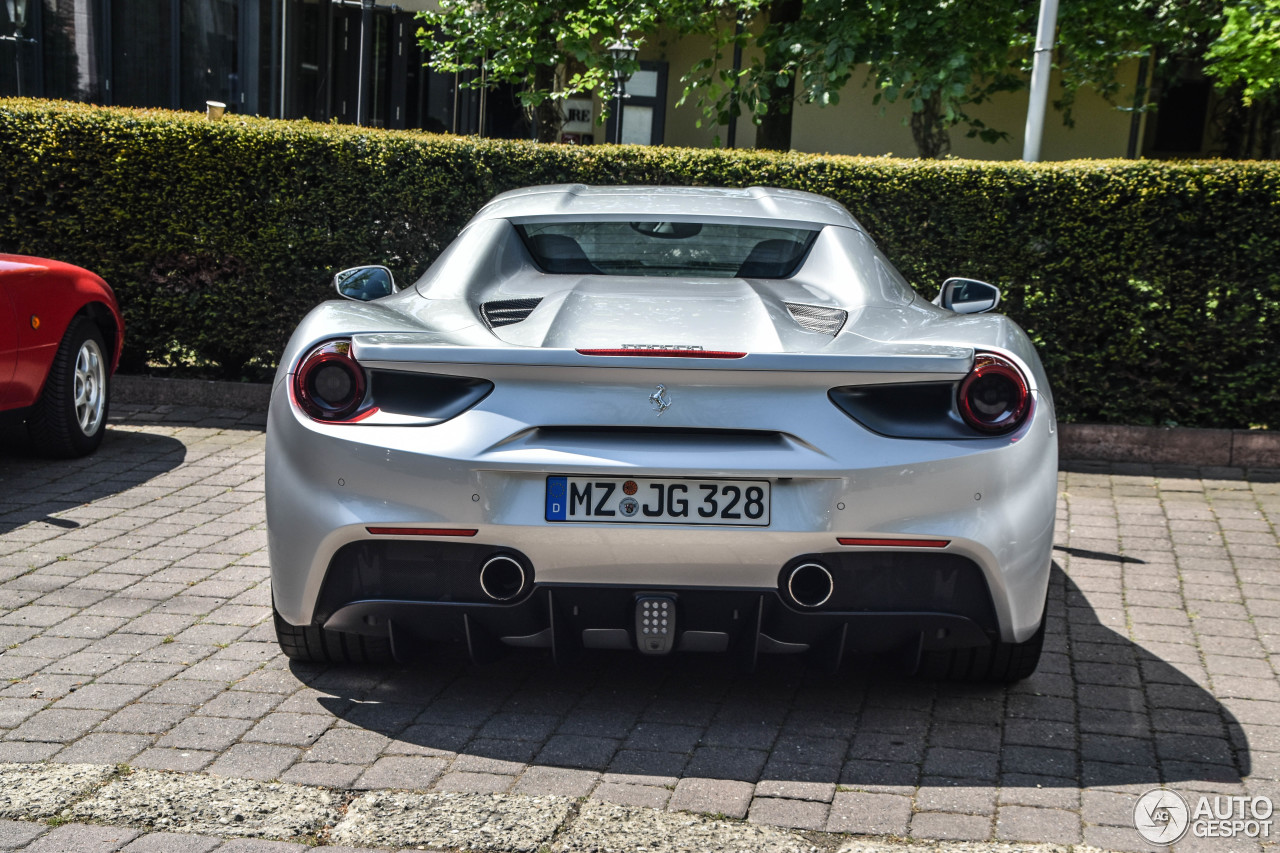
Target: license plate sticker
point(627, 500)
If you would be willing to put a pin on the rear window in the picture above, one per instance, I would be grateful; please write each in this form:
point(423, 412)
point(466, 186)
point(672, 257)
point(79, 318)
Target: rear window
point(667, 248)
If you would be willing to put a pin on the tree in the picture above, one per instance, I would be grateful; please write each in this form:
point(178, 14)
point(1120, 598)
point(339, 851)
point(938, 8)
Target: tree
point(549, 51)
point(767, 87)
point(1096, 38)
point(1244, 61)
point(1238, 47)
point(938, 57)
point(944, 58)
point(1247, 52)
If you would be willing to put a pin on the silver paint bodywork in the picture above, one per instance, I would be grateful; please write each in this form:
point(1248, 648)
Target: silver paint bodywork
point(992, 497)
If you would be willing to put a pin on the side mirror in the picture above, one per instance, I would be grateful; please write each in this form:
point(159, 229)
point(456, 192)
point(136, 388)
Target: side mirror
point(365, 283)
point(967, 296)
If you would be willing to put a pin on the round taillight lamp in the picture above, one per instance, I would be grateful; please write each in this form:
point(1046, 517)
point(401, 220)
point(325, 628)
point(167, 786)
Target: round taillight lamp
point(329, 384)
point(994, 397)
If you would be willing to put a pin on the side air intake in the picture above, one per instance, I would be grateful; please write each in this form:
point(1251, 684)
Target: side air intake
point(504, 312)
point(817, 318)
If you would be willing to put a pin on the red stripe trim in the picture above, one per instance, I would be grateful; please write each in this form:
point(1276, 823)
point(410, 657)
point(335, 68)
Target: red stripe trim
point(420, 531)
point(896, 543)
point(665, 353)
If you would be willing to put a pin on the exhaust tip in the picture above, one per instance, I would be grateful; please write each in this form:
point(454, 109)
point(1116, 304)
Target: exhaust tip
point(810, 584)
point(502, 578)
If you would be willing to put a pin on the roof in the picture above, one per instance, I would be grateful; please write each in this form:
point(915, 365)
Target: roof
point(676, 204)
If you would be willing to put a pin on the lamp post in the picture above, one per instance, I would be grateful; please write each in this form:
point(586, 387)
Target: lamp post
point(17, 10)
point(1040, 80)
point(623, 53)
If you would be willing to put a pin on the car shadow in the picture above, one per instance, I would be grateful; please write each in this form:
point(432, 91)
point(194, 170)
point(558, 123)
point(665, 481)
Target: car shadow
point(1100, 711)
point(35, 488)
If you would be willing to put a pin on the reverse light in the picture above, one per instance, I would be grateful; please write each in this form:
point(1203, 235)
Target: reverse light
point(994, 397)
point(329, 384)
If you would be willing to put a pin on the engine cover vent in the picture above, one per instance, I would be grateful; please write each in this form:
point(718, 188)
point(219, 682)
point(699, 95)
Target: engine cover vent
point(817, 318)
point(504, 312)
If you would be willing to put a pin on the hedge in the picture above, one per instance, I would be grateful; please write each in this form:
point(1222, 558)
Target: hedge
point(1152, 288)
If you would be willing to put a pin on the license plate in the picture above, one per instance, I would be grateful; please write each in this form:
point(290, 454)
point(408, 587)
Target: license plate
point(627, 500)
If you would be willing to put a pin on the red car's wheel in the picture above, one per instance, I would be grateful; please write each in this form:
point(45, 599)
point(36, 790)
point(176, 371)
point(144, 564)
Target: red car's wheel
point(70, 417)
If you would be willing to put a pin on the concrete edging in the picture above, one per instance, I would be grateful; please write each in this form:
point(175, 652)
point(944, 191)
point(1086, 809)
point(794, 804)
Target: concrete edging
point(1217, 448)
point(157, 391)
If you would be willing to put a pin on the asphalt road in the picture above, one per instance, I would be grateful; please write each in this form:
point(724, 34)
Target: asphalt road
point(136, 637)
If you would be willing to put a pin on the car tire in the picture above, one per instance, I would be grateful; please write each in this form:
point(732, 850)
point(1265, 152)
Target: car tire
point(70, 417)
point(310, 644)
point(999, 662)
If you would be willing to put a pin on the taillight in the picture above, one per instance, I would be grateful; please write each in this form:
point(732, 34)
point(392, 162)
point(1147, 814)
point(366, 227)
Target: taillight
point(329, 384)
point(994, 397)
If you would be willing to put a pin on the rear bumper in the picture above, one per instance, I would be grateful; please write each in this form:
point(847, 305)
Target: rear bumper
point(415, 592)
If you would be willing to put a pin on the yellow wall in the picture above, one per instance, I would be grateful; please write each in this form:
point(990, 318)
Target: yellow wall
point(857, 126)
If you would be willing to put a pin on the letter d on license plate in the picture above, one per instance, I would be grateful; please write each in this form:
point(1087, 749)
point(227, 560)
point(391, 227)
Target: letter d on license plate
point(626, 500)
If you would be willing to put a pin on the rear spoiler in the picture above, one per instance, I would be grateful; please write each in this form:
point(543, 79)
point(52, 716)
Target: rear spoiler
point(400, 350)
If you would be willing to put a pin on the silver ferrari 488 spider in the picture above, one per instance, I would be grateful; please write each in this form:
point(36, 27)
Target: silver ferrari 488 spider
point(665, 420)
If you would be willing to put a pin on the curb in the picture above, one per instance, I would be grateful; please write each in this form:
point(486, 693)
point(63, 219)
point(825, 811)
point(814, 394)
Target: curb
point(156, 391)
point(1216, 448)
point(237, 810)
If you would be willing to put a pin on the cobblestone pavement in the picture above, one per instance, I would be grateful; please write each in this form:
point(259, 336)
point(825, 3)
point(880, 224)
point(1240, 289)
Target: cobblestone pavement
point(135, 630)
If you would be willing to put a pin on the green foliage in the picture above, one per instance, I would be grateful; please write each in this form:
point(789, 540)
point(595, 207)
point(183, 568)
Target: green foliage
point(550, 51)
point(944, 58)
point(1247, 52)
point(1151, 288)
point(1097, 37)
point(938, 58)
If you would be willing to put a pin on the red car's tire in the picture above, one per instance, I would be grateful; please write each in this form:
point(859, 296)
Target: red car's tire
point(310, 644)
point(70, 417)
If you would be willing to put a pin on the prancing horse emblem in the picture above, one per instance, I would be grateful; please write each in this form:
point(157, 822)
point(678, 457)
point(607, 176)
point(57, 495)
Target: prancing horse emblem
point(660, 400)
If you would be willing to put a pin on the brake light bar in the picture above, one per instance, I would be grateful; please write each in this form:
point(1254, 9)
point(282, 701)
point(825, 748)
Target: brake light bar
point(665, 353)
point(895, 543)
point(420, 531)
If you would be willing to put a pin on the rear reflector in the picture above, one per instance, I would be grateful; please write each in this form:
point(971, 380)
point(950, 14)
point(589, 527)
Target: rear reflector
point(665, 353)
point(896, 543)
point(420, 531)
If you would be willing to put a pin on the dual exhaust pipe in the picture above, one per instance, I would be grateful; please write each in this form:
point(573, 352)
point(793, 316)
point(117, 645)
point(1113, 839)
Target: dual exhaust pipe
point(503, 578)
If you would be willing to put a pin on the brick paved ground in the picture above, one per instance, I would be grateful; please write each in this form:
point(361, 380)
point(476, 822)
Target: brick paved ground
point(134, 628)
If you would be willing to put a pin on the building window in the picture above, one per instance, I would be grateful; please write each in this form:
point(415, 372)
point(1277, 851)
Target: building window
point(210, 70)
point(644, 110)
point(141, 53)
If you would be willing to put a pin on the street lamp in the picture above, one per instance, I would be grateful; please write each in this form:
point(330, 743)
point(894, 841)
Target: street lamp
point(17, 13)
point(17, 10)
point(623, 53)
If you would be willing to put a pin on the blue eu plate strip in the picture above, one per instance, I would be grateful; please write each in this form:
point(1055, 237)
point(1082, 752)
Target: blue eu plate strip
point(557, 494)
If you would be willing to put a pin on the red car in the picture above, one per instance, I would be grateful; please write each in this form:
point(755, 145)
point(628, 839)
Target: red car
point(60, 340)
